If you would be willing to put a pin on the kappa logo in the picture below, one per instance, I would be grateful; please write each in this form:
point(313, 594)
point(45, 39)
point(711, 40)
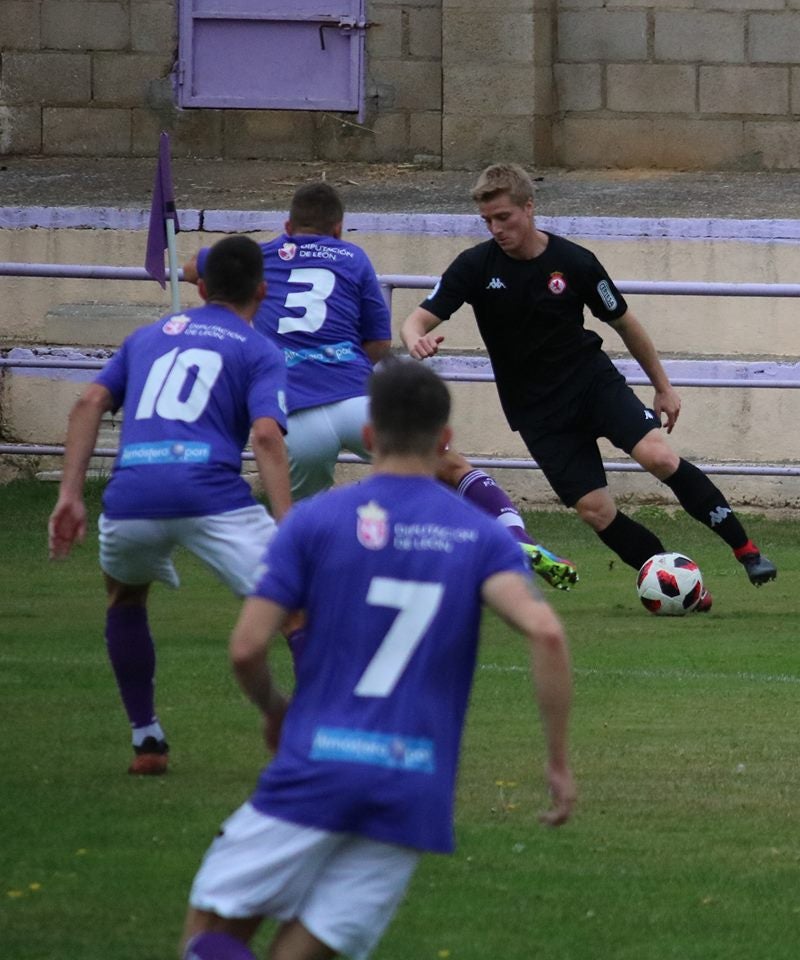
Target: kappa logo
point(648, 414)
point(718, 514)
point(557, 284)
point(435, 290)
point(287, 251)
point(495, 284)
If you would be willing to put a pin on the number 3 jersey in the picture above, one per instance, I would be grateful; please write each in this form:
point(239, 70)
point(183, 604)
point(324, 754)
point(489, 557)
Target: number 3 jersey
point(323, 300)
point(191, 384)
point(389, 572)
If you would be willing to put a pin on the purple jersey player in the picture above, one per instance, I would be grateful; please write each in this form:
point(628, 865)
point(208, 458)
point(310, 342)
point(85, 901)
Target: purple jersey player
point(193, 386)
point(325, 310)
point(392, 574)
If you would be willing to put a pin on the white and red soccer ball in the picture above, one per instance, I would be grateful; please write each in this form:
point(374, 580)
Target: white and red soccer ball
point(669, 584)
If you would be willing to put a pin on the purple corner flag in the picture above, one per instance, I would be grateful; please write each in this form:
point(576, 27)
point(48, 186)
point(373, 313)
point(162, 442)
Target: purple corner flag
point(161, 210)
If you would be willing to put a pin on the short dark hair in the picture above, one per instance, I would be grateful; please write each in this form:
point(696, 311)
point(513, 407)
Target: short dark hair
point(317, 207)
point(409, 405)
point(233, 270)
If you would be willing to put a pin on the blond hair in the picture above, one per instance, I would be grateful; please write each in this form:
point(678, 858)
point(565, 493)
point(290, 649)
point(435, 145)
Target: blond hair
point(500, 178)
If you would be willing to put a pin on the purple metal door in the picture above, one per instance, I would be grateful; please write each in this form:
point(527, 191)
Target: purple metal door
point(272, 55)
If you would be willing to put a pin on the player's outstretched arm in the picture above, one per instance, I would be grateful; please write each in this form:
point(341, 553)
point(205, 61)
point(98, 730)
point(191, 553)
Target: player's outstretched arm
point(510, 595)
point(272, 461)
point(258, 622)
point(376, 350)
point(642, 349)
point(417, 336)
point(190, 274)
point(67, 524)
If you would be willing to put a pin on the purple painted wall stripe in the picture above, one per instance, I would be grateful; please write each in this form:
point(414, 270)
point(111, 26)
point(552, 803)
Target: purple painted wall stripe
point(99, 218)
point(455, 225)
point(694, 373)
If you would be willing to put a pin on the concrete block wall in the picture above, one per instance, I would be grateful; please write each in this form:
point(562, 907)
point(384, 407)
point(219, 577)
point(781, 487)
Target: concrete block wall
point(690, 84)
point(496, 65)
point(73, 73)
point(687, 84)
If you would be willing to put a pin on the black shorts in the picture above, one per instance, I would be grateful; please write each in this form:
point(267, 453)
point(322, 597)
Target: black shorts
point(565, 443)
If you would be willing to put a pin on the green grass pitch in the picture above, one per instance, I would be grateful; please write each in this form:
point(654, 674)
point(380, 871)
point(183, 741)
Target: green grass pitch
point(686, 745)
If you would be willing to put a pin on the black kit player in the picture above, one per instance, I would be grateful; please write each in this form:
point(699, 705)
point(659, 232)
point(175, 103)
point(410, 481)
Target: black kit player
point(557, 387)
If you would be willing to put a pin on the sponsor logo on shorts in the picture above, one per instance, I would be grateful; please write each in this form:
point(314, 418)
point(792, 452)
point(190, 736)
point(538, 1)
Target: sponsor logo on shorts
point(648, 414)
point(372, 526)
point(606, 295)
point(557, 284)
point(378, 749)
point(166, 451)
point(176, 324)
point(282, 401)
point(287, 251)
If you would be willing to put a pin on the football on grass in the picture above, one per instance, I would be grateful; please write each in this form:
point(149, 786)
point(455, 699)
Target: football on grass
point(669, 584)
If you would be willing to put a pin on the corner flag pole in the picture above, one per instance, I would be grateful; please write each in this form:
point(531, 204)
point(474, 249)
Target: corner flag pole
point(172, 259)
point(163, 225)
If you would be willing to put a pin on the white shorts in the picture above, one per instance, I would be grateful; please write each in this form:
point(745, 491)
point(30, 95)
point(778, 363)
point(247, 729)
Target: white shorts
point(232, 544)
point(343, 888)
point(315, 438)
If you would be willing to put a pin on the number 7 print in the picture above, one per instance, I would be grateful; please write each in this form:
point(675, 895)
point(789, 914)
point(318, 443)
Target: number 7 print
point(418, 604)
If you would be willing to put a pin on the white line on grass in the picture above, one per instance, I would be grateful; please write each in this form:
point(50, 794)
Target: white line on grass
point(634, 674)
point(656, 674)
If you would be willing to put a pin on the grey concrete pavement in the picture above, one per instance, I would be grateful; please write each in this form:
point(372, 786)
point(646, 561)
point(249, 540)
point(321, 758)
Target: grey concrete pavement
point(390, 188)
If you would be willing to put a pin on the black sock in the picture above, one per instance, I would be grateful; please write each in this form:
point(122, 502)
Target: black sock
point(632, 542)
point(704, 501)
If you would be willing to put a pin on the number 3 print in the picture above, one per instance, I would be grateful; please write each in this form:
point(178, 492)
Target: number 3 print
point(312, 301)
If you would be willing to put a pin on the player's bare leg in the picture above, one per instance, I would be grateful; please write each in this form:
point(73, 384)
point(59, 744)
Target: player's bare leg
point(294, 942)
point(479, 488)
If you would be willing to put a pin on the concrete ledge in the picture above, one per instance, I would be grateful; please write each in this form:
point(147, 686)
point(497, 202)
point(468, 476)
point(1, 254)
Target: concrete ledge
point(90, 218)
point(445, 224)
point(96, 324)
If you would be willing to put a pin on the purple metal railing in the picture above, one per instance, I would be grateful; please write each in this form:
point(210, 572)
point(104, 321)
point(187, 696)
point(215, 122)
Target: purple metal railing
point(732, 469)
point(390, 282)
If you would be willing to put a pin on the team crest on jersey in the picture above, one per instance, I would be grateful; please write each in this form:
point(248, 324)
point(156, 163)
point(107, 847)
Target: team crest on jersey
point(557, 284)
point(288, 251)
point(372, 528)
point(176, 324)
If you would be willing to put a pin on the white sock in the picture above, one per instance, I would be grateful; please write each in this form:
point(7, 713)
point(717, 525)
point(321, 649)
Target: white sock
point(140, 734)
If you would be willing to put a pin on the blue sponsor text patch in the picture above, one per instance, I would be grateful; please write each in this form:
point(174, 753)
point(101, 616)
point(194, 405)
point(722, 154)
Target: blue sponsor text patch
point(331, 353)
point(380, 749)
point(164, 451)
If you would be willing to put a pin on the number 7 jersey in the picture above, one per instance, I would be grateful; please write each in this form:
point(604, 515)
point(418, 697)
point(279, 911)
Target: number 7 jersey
point(191, 386)
point(323, 301)
point(389, 572)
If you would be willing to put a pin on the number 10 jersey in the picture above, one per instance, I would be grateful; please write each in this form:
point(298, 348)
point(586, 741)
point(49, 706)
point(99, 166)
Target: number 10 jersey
point(191, 384)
